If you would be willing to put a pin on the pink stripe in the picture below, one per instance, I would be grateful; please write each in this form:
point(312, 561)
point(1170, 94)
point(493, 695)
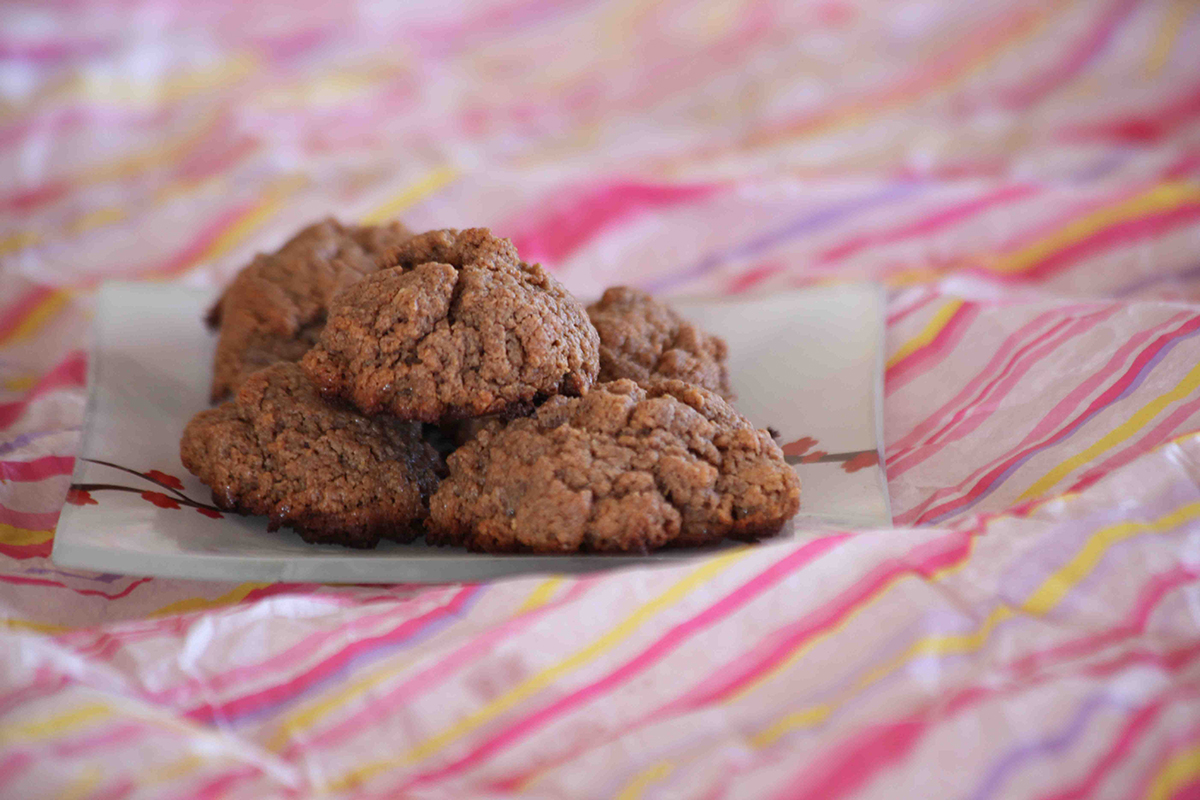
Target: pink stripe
point(51, 50)
point(29, 520)
point(306, 648)
point(1184, 166)
point(198, 245)
point(653, 654)
point(1166, 750)
point(1155, 590)
point(754, 276)
point(1159, 434)
point(21, 308)
point(26, 581)
point(220, 786)
point(998, 389)
point(900, 448)
point(122, 733)
point(329, 666)
point(118, 791)
point(1050, 223)
point(924, 359)
point(1190, 791)
point(1055, 421)
point(1109, 396)
point(926, 560)
point(553, 232)
point(102, 644)
point(26, 200)
point(436, 673)
point(1075, 59)
point(1124, 233)
point(36, 470)
point(926, 225)
point(856, 762)
point(70, 372)
point(1138, 724)
point(1144, 128)
point(14, 764)
point(859, 759)
point(928, 296)
point(55, 121)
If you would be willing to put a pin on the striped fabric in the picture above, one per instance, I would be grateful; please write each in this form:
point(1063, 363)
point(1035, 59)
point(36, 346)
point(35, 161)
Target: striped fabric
point(1025, 176)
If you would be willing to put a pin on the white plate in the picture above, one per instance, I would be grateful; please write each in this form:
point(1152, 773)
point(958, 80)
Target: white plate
point(808, 363)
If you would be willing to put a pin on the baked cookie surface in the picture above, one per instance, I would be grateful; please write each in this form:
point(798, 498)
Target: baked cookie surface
point(642, 338)
point(329, 473)
point(455, 326)
point(275, 307)
point(627, 467)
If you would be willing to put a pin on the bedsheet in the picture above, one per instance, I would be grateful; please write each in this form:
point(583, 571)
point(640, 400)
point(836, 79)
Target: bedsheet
point(1023, 176)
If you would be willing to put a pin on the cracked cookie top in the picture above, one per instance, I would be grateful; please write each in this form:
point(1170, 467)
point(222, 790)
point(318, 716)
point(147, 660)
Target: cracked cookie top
point(275, 308)
point(642, 338)
point(333, 475)
point(627, 467)
point(457, 326)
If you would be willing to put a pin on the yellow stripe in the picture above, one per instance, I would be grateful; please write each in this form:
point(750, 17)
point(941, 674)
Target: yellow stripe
point(21, 383)
point(939, 321)
point(33, 731)
point(235, 595)
point(19, 537)
point(1140, 420)
point(82, 786)
point(274, 198)
point(825, 634)
point(698, 577)
point(306, 718)
point(29, 625)
point(428, 185)
point(158, 92)
point(1160, 51)
point(96, 218)
point(167, 153)
point(1163, 197)
point(18, 241)
point(169, 772)
point(541, 595)
point(1181, 770)
point(644, 779)
point(1040, 602)
point(1057, 585)
point(41, 314)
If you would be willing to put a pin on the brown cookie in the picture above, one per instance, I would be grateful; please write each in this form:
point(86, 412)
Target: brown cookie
point(642, 338)
point(627, 467)
point(459, 327)
point(332, 475)
point(275, 308)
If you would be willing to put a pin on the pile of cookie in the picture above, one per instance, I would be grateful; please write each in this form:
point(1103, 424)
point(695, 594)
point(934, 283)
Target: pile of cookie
point(387, 385)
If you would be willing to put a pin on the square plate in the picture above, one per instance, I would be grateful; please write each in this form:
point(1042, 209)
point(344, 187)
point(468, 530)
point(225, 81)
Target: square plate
point(808, 363)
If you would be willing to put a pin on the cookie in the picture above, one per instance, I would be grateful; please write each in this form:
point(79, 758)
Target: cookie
point(626, 468)
point(642, 338)
point(332, 475)
point(275, 308)
point(457, 327)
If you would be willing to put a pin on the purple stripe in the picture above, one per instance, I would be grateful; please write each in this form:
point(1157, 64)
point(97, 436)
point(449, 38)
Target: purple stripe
point(1187, 274)
point(26, 438)
point(1104, 166)
point(1040, 748)
point(1071, 431)
point(357, 660)
point(805, 224)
